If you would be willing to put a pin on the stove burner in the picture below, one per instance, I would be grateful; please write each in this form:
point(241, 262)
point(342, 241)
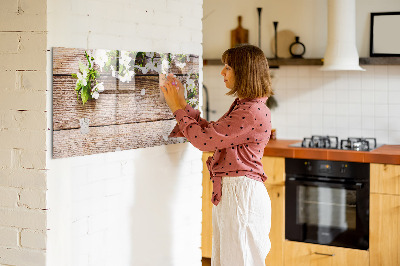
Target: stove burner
point(358, 144)
point(328, 142)
point(332, 142)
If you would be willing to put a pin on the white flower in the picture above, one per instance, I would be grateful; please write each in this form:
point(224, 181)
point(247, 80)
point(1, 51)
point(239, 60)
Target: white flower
point(143, 69)
point(84, 69)
point(99, 87)
point(152, 66)
point(95, 95)
point(125, 59)
point(101, 57)
point(193, 101)
point(189, 83)
point(180, 65)
point(81, 79)
point(164, 66)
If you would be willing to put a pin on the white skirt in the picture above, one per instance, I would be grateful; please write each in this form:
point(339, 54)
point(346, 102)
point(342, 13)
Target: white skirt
point(241, 223)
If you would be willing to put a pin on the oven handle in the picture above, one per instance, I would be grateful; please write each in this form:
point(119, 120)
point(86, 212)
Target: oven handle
point(357, 185)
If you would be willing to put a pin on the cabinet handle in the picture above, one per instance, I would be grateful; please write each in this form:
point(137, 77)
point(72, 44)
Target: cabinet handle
point(325, 254)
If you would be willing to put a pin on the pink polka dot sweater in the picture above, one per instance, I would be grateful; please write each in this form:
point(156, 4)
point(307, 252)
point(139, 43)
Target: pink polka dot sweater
point(238, 139)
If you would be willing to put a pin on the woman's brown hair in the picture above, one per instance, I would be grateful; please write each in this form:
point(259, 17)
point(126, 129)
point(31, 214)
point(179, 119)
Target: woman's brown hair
point(250, 66)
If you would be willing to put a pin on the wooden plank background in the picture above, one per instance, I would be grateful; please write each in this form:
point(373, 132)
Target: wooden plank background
point(125, 116)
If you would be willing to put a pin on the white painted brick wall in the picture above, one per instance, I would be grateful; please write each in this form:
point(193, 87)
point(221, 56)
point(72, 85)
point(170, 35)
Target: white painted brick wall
point(34, 239)
point(9, 237)
point(23, 122)
point(137, 207)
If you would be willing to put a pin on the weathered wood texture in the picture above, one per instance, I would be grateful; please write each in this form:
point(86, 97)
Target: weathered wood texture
point(69, 143)
point(137, 106)
point(125, 105)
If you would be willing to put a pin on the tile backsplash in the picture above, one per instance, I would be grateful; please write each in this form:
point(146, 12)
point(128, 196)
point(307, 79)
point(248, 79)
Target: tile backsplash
point(314, 102)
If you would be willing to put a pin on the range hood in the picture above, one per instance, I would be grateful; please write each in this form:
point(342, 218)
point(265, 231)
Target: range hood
point(341, 51)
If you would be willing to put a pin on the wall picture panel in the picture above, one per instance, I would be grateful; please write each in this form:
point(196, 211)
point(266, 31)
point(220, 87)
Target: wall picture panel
point(120, 106)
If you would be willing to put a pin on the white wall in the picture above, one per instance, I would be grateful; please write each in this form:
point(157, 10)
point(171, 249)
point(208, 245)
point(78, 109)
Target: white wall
point(23, 133)
point(311, 102)
point(136, 207)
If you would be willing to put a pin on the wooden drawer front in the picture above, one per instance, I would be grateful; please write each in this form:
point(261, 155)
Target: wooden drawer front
point(384, 237)
point(274, 168)
point(304, 254)
point(385, 178)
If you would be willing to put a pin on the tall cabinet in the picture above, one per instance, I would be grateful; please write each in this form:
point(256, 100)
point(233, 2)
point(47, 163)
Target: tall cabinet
point(385, 215)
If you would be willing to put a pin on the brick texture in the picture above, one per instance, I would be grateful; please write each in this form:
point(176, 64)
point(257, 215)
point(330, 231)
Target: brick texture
point(23, 124)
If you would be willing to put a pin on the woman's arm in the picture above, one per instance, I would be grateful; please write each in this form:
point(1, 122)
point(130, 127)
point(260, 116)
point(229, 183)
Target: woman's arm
point(174, 94)
point(237, 128)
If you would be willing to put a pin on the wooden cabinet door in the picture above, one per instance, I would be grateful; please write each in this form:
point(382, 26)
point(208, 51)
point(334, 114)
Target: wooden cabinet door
point(206, 226)
point(274, 168)
point(384, 236)
point(385, 178)
point(277, 233)
point(305, 254)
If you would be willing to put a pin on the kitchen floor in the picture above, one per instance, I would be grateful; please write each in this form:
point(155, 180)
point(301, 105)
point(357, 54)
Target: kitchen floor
point(206, 261)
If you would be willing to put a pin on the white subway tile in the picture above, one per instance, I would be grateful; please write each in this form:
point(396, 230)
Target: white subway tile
point(394, 110)
point(394, 123)
point(367, 96)
point(368, 123)
point(291, 71)
point(394, 137)
point(394, 83)
point(329, 109)
point(382, 136)
point(355, 96)
point(292, 83)
point(381, 123)
point(394, 97)
point(355, 132)
point(382, 110)
point(380, 71)
point(381, 97)
point(355, 122)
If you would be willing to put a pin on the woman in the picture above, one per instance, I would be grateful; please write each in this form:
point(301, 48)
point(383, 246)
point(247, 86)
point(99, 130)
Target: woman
point(242, 209)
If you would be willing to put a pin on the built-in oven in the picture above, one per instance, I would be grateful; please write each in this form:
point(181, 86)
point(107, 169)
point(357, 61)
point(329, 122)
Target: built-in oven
point(327, 202)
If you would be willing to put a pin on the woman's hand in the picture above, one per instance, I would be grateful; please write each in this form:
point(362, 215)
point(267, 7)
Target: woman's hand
point(174, 93)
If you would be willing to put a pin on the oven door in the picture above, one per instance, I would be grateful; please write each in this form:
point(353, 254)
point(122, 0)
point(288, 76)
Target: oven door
point(327, 213)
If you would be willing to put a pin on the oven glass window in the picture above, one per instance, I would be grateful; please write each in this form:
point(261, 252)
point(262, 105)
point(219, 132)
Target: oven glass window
point(327, 207)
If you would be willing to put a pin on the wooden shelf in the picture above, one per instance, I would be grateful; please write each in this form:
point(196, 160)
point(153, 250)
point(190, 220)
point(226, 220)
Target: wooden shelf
point(380, 61)
point(273, 63)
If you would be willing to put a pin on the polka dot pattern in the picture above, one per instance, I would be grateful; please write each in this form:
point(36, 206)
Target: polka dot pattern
point(238, 139)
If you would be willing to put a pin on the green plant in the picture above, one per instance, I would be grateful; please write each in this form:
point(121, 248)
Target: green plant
point(85, 77)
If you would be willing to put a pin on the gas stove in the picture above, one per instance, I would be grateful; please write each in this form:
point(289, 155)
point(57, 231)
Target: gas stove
point(332, 142)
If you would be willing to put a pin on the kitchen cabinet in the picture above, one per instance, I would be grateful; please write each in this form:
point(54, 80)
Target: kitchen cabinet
point(206, 225)
point(385, 214)
point(274, 168)
point(305, 254)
